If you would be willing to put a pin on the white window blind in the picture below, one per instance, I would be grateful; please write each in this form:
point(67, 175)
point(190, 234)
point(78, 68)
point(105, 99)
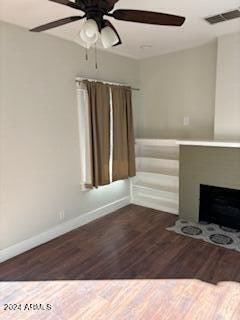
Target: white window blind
point(84, 135)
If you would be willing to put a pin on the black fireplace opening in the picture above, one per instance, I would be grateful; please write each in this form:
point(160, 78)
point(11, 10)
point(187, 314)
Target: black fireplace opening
point(220, 206)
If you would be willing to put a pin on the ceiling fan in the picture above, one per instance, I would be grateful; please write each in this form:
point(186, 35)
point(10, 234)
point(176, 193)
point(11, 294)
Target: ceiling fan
point(95, 26)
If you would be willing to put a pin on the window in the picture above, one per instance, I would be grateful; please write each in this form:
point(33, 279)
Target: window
point(84, 135)
point(106, 133)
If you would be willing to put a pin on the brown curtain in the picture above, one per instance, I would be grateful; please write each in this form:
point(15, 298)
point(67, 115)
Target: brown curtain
point(123, 134)
point(99, 124)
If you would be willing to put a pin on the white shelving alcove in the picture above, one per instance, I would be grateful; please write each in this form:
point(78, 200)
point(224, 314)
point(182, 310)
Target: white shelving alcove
point(156, 184)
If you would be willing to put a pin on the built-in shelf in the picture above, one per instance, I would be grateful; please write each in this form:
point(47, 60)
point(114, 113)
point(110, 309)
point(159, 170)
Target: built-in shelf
point(154, 165)
point(148, 186)
point(210, 143)
point(156, 203)
point(156, 184)
point(156, 142)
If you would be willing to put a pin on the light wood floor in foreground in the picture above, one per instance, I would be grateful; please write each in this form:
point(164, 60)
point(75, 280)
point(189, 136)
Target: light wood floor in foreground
point(124, 266)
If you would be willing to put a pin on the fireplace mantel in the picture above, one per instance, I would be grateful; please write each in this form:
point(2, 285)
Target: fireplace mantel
point(210, 143)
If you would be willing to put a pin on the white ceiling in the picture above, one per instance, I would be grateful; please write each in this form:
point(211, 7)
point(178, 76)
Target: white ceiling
point(31, 13)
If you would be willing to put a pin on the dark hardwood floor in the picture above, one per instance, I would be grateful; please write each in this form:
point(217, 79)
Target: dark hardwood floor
point(129, 244)
point(182, 278)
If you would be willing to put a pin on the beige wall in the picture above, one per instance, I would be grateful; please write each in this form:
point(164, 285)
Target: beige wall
point(39, 131)
point(213, 166)
point(178, 85)
point(227, 112)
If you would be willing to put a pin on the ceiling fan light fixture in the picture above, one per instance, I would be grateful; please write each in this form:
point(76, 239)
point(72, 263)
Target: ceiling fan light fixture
point(89, 34)
point(90, 28)
point(109, 37)
point(89, 41)
point(78, 39)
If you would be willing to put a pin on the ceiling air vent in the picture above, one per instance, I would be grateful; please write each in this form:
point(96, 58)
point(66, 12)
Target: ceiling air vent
point(225, 16)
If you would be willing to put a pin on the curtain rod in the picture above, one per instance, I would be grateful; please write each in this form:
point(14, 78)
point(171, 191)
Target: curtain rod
point(106, 82)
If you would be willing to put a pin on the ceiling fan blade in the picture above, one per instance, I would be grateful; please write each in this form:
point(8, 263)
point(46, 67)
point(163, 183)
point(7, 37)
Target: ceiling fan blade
point(57, 23)
point(68, 3)
point(108, 24)
point(148, 17)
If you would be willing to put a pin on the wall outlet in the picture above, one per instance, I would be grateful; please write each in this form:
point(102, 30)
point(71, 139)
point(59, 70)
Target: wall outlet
point(61, 215)
point(186, 121)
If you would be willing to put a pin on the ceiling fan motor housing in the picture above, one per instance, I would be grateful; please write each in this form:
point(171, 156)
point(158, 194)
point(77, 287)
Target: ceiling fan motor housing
point(101, 5)
point(95, 10)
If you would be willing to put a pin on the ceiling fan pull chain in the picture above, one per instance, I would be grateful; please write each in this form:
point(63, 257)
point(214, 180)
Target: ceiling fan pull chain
point(86, 54)
point(96, 57)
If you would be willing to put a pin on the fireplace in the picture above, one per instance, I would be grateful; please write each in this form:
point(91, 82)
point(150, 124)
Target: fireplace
point(220, 206)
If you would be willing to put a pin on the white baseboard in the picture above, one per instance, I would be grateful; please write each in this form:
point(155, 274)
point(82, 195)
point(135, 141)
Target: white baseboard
point(61, 229)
